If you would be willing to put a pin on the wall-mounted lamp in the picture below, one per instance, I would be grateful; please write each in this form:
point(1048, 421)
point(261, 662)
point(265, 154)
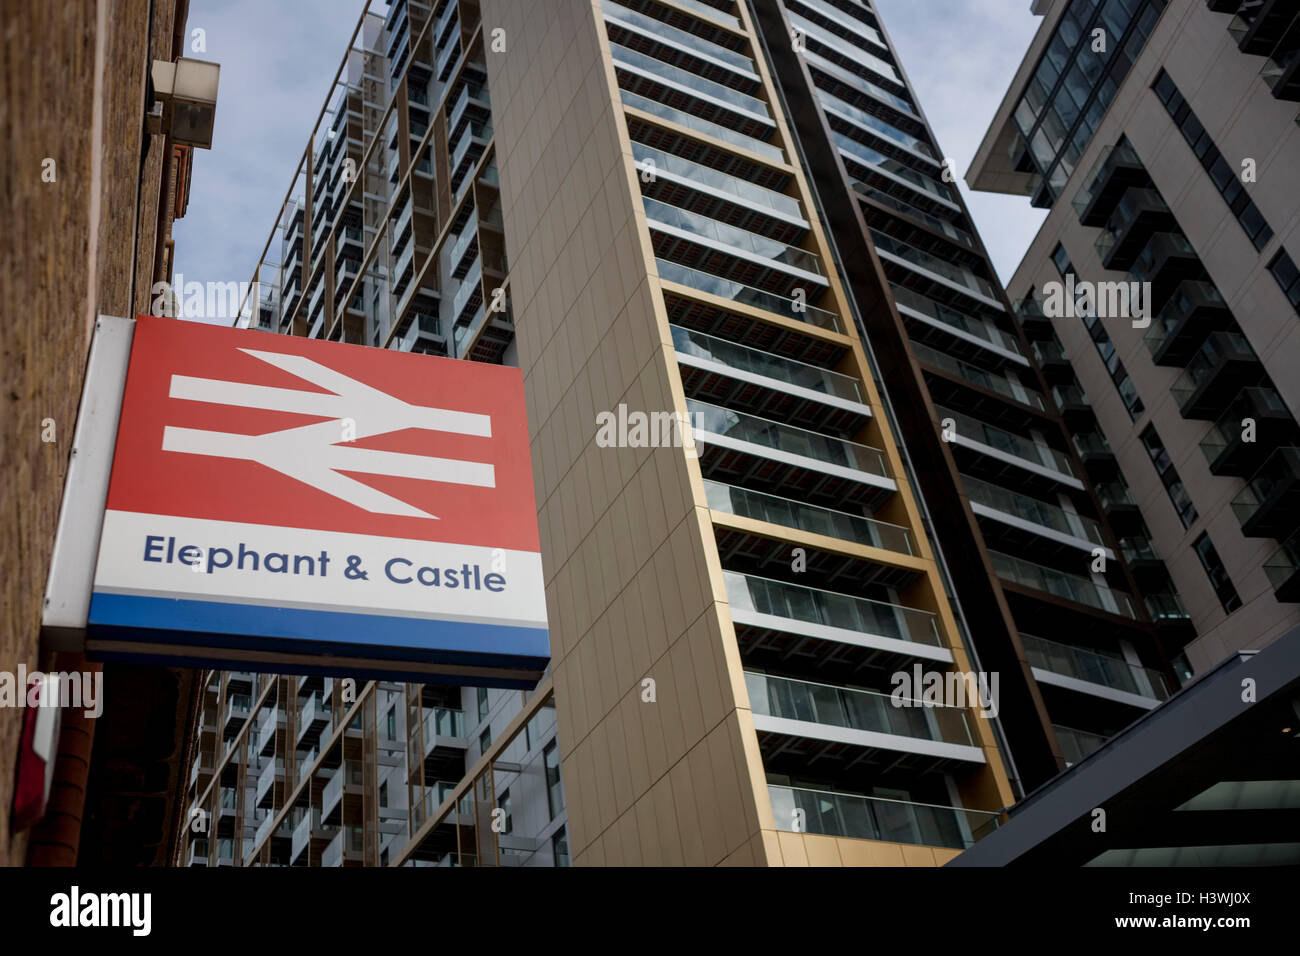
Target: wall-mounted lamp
point(187, 93)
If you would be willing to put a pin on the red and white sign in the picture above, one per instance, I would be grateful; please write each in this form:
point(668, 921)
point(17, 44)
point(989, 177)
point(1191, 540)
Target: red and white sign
point(261, 481)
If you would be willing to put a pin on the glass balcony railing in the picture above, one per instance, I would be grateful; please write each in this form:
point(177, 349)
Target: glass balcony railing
point(890, 167)
point(788, 513)
point(443, 722)
point(733, 237)
point(1113, 494)
point(1073, 587)
point(1033, 510)
point(667, 73)
point(691, 121)
point(980, 328)
point(660, 30)
point(747, 295)
point(855, 709)
point(1190, 296)
point(786, 438)
point(907, 209)
point(1076, 744)
point(647, 157)
point(1007, 442)
point(1215, 351)
point(1111, 156)
point(876, 818)
point(1283, 564)
point(933, 264)
point(1094, 667)
point(875, 124)
point(830, 609)
point(860, 84)
point(1165, 607)
point(974, 374)
point(1161, 248)
point(744, 359)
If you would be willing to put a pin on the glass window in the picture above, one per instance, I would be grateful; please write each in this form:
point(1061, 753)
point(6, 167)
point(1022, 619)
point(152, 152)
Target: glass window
point(1287, 276)
point(485, 740)
point(554, 786)
point(560, 847)
point(482, 702)
point(1217, 573)
point(1178, 495)
point(503, 803)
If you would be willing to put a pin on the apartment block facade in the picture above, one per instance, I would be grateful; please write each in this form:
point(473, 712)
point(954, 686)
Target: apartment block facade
point(1163, 139)
point(728, 613)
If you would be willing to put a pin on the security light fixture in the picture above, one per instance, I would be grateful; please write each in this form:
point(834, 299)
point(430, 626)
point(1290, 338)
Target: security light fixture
point(187, 90)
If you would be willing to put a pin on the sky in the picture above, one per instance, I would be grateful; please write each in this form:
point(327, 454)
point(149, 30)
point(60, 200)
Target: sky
point(278, 57)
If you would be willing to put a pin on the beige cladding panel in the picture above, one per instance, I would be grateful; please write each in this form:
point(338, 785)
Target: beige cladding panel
point(630, 586)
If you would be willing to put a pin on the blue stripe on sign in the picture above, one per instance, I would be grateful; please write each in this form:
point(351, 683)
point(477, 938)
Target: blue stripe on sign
point(296, 630)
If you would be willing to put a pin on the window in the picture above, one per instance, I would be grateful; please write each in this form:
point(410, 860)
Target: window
point(560, 847)
point(503, 803)
point(391, 720)
point(383, 794)
point(1221, 172)
point(1105, 347)
point(1182, 501)
point(482, 703)
point(554, 788)
point(1288, 277)
point(1217, 573)
point(485, 739)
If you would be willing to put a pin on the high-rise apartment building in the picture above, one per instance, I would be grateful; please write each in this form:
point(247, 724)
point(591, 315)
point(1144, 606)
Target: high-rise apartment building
point(1045, 581)
point(729, 615)
point(1163, 139)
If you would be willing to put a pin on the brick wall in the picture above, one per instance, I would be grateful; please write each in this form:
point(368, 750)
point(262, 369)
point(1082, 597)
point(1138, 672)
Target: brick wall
point(48, 109)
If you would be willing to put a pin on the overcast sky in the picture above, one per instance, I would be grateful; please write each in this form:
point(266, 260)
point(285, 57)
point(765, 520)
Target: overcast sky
point(278, 57)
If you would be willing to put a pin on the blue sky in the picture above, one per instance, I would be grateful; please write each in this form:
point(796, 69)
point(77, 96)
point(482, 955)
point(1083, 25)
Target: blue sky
point(278, 57)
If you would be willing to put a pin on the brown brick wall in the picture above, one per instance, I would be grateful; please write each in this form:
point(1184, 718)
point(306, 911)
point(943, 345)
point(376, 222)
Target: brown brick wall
point(47, 77)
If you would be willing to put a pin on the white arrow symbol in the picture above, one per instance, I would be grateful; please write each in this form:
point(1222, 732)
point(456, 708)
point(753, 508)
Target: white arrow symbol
point(312, 453)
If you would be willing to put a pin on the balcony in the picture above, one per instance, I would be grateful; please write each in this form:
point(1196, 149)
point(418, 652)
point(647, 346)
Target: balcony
point(272, 773)
point(716, 195)
point(1166, 260)
point(300, 839)
point(1223, 445)
point(237, 710)
point(1072, 587)
point(1004, 447)
point(1269, 505)
point(1076, 744)
point(1144, 562)
point(747, 295)
point(443, 727)
point(1283, 570)
point(658, 79)
point(983, 334)
point(992, 381)
point(1194, 310)
point(1167, 609)
point(768, 385)
point(1281, 73)
point(680, 48)
point(1074, 407)
point(1121, 510)
point(1139, 213)
point(936, 270)
point(693, 122)
point(1260, 26)
point(893, 176)
point(267, 729)
point(678, 233)
point(901, 205)
point(312, 721)
point(1116, 170)
point(842, 618)
point(733, 431)
point(876, 818)
point(787, 513)
point(1221, 367)
point(1094, 672)
point(1096, 454)
point(867, 712)
point(1030, 522)
point(1053, 361)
